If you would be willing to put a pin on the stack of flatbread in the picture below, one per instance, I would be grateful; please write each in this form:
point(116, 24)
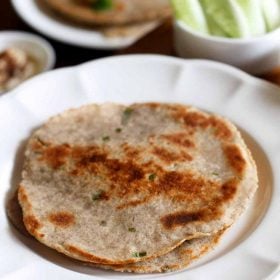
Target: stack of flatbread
point(143, 188)
point(112, 17)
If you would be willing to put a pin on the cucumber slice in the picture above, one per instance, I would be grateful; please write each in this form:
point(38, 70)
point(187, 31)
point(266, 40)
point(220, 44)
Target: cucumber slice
point(228, 15)
point(254, 14)
point(215, 29)
point(191, 13)
point(271, 11)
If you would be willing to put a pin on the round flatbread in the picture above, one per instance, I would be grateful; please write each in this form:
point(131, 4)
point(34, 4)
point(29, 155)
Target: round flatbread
point(113, 184)
point(180, 258)
point(122, 11)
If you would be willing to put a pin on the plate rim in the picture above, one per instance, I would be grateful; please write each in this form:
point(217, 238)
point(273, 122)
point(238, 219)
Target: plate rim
point(216, 64)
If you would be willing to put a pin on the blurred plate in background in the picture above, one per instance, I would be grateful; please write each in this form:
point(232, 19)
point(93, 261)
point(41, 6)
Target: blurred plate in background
point(41, 19)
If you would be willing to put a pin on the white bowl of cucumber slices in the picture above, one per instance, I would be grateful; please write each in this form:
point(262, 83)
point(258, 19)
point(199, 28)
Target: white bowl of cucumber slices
point(242, 33)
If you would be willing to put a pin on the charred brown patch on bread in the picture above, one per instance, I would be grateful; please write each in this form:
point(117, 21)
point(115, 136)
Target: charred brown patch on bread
point(169, 157)
point(222, 130)
point(23, 198)
point(229, 189)
point(37, 145)
point(181, 139)
point(213, 211)
point(62, 219)
point(181, 218)
point(194, 119)
point(32, 224)
point(55, 156)
point(130, 151)
point(199, 120)
point(186, 252)
point(235, 158)
point(133, 203)
point(185, 183)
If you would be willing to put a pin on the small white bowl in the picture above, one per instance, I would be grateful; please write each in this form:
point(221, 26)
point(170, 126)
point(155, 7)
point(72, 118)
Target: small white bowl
point(254, 55)
point(35, 46)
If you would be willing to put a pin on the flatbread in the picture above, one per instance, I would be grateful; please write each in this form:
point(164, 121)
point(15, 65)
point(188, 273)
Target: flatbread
point(124, 12)
point(180, 258)
point(112, 184)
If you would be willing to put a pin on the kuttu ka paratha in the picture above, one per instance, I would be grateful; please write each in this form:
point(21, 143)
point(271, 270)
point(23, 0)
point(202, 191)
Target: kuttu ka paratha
point(114, 184)
point(180, 258)
point(121, 12)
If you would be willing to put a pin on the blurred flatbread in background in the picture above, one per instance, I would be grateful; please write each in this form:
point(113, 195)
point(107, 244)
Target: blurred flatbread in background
point(122, 12)
point(137, 29)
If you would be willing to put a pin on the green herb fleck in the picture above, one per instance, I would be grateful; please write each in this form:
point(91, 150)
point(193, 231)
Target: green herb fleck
point(103, 223)
point(152, 177)
point(98, 195)
point(215, 173)
point(132, 229)
point(126, 115)
point(101, 5)
point(139, 254)
point(106, 138)
point(118, 130)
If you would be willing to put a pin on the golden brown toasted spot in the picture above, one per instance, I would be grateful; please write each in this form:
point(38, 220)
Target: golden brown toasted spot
point(23, 198)
point(202, 191)
point(180, 139)
point(151, 105)
point(62, 219)
point(186, 252)
point(195, 119)
point(36, 145)
point(222, 130)
point(169, 157)
point(55, 156)
point(229, 189)
point(200, 120)
point(235, 158)
point(31, 224)
point(92, 158)
point(130, 151)
point(74, 172)
point(124, 171)
point(133, 203)
point(181, 218)
point(187, 184)
point(120, 7)
point(22, 194)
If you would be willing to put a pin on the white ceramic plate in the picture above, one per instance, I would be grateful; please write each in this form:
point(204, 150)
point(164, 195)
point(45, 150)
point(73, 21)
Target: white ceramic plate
point(251, 248)
point(57, 29)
